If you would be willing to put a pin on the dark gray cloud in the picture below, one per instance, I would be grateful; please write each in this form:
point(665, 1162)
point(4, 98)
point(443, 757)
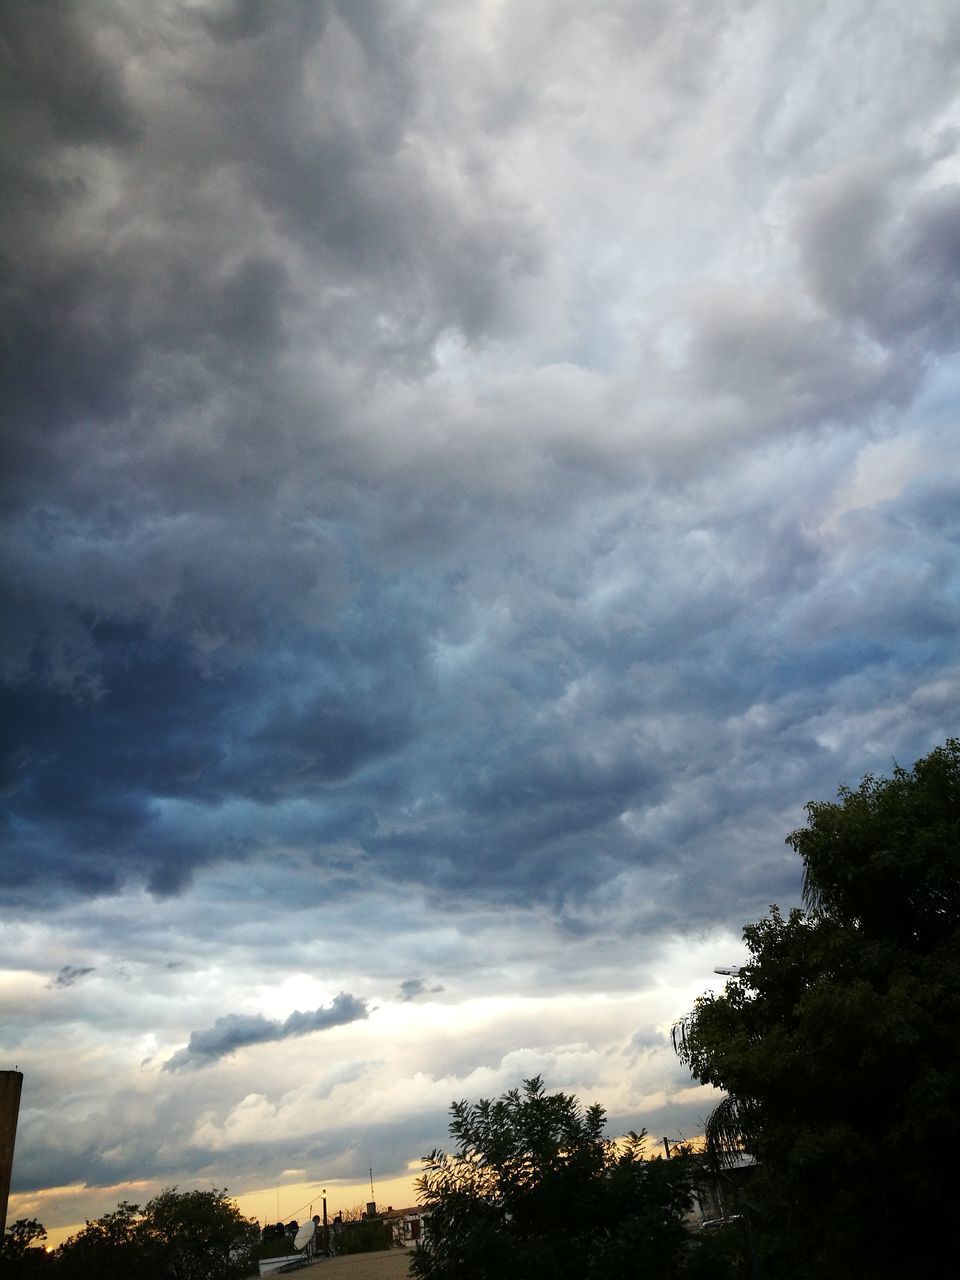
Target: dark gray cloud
point(411, 988)
point(71, 973)
point(235, 1031)
point(882, 256)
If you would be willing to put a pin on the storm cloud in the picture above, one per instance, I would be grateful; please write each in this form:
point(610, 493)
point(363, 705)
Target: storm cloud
point(472, 473)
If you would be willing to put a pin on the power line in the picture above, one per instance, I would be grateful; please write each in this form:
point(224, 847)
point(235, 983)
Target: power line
point(305, 1205)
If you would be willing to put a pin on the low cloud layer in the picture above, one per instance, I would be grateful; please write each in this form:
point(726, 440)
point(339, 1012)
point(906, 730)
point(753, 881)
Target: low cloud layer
point(411, 988)
point(237, 1030)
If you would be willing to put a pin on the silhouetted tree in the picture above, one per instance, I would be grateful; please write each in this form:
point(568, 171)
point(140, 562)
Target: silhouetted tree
point(189, 1235)
point(364, 1237)
point(200, 1235)
point(107, 1248)
point(22, 1253)
point(839, 1042)
point(534, 1190)
point(356, 1213)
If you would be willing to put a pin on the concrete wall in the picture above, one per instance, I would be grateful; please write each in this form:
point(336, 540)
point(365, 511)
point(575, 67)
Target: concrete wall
point(11, 1082)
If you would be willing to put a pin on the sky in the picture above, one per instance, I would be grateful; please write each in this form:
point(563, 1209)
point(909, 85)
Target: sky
point(473, 472)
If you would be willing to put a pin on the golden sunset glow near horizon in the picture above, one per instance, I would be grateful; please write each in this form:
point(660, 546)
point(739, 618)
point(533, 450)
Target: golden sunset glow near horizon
point(280, 1203)
point(295, 1199)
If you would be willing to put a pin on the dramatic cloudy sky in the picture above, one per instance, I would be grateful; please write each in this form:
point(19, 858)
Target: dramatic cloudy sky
point(474, 470)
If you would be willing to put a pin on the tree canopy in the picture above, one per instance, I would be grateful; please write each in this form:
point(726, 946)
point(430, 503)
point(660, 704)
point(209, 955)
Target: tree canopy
point(22, 1252)
point(838, 1043)
point(533, 1190)
point(179, 1235)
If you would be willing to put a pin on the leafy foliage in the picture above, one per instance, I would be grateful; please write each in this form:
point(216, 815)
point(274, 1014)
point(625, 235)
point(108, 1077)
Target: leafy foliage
point(274, 1246)
point(200, 1235)
point(533, 1190)
point(107, 1248)
point(364, 1237)
point(188, 1235)
point(22, 1253)
point(839, 1042)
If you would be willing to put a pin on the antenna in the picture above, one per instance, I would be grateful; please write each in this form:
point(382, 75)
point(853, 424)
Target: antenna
point(372, 1196)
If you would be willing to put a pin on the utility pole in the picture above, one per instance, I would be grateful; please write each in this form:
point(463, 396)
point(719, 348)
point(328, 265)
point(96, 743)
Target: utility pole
point(326, 1229)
